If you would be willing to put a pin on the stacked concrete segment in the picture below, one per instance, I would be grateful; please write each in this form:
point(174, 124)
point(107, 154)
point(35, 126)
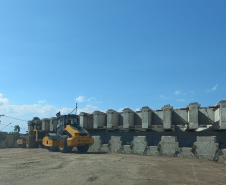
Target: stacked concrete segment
point(99, 119)
point(128, 118)
point(53, 124)
point(206, 147)
point(221, 117)
point(86, 120)
point(96, 147)
point(193, 119)
point(46, 124)
point(168, 146)
point(116, 144)
point(167, 117)
point(139, 145)
point(112, 118)
point(146, 117)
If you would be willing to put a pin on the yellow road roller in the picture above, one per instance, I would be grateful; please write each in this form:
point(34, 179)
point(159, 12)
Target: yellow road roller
point(69, 134)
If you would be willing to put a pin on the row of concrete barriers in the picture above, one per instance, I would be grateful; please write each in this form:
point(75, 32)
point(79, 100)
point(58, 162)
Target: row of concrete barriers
point(205, 147)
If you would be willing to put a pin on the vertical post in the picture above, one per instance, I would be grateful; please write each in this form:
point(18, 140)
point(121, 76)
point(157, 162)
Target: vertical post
point(167, 116)
point(193, 115)
point(112, 118)
point(128, 118)
point(222, 114)
point(146, 117)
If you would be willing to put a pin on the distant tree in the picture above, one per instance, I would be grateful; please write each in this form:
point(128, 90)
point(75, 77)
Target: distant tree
point(17, 128)
point(35, 118)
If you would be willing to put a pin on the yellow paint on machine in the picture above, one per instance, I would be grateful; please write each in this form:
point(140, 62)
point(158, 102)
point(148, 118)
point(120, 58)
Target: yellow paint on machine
point(49, 143)
point(20, 141)
point(81, 141)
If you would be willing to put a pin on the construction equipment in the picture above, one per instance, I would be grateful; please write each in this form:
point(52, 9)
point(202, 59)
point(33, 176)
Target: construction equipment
point(68, 134)
point(35, 135)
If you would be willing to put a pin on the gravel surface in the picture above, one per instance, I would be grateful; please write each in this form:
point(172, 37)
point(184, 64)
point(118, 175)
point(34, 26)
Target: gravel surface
point(39, 166)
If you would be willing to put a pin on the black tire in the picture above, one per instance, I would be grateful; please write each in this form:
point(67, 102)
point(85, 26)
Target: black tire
point(52, 149)
point(30, 142)
point(83, 149)
point(42, 146)
point(62, 144)
point(36, 145)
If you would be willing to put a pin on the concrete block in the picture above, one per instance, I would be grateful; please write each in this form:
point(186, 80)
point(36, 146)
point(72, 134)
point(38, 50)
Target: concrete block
point(10, 141)
point(46, 124)
point(2, 144)
point(99, 119)
point(83, 120)
point(139, 144)
point(146, 117)
point(128, 118)
point(185, 152)
point(127, 149)
point(152, 150)
point(170, 139)
point(168, 146)
point(205, 150)
point(105, 148)
point(167, 116)
point(97, 145)
point(222, 114)
point(212, 139)
point(116, 144)
point(53, 124)
point(112, 118)
point(222, 158)
point(206, 147)
point(86, 120)
point(193, 115)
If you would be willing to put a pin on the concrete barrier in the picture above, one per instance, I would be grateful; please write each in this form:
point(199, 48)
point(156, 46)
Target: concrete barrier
point(139, 144)
point(168, 146)
point(105, 148)
point(96, 147)
point(152, 150)
point(2, 144)
point(185, 152)
point(10, 141)
point(205, 147)
point(116, 144)
point(127, 149)
point(222, 157)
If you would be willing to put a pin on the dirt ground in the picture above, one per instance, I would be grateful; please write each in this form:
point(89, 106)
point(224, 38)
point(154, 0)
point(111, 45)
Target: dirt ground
point(39, 166)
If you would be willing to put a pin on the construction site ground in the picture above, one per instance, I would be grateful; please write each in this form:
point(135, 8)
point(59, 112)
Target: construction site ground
point(38, 166)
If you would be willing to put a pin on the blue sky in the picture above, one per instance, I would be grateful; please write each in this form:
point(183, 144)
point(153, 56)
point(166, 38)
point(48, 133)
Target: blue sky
point(109, 54)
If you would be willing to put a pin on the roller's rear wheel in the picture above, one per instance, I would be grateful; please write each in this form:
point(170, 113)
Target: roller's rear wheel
point(83, 149)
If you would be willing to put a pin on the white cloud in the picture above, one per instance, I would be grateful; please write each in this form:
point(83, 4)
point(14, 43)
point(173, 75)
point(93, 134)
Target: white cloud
point(181, 100)
point(177, 92)
point(3, 101)
point(213, 89)
point(28, 111)
point(137, 109)
point(41, 101)
point(80, 99)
